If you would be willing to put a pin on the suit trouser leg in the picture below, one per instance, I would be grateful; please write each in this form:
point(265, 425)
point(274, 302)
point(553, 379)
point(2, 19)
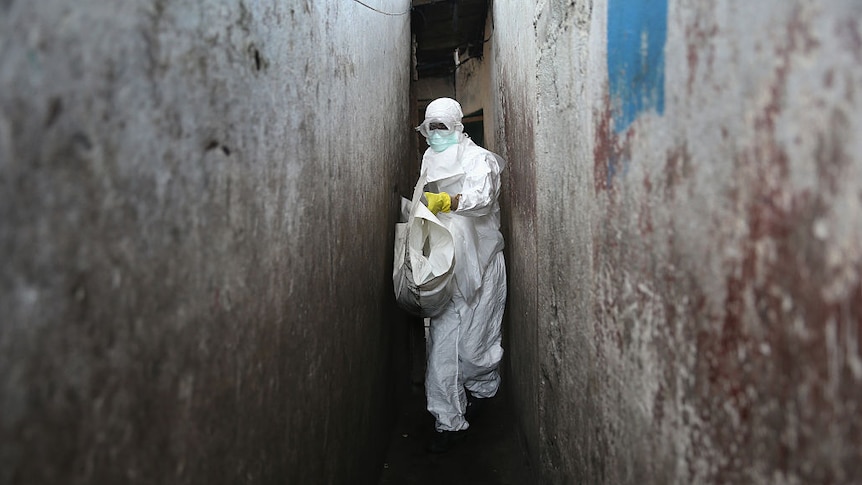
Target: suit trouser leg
point(464, 349)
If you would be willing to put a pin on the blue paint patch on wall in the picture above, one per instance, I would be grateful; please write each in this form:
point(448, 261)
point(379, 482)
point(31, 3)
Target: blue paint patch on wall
point(637, 32)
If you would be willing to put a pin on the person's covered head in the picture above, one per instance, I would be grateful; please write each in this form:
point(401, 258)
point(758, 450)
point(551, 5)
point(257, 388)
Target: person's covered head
point(442, 127)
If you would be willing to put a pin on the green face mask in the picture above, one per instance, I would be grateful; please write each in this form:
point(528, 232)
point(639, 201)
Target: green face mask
point(440, 142)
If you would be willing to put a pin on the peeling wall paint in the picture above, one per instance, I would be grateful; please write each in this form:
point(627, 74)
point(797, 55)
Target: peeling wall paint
point(637, 31)
point(690, 298)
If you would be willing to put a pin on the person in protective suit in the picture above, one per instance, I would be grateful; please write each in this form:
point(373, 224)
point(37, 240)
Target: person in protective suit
point(464, 344)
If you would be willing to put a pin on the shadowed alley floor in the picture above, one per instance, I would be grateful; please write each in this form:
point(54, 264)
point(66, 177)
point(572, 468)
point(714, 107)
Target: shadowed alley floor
point(489, 455)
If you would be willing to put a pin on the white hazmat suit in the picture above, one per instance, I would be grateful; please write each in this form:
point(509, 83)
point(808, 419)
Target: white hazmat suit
point(464, 345)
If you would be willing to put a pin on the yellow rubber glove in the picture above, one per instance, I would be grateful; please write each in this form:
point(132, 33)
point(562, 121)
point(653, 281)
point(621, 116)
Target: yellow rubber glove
point(438, 202)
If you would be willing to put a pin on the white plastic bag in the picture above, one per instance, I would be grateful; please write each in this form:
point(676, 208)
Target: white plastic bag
point(424, 259)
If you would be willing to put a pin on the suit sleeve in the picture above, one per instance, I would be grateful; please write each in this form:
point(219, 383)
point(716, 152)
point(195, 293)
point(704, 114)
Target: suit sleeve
point(481, 186)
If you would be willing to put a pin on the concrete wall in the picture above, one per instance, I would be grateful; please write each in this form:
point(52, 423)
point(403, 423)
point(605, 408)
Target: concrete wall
point(195, 220)
point(512, 54)
point(684, 238)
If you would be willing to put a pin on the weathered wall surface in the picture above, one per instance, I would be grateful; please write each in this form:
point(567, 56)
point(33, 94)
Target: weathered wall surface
point(685, 238)
point(195, 220)
point(513, 74)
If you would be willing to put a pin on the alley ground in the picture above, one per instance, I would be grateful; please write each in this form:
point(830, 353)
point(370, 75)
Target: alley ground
point(489, 455)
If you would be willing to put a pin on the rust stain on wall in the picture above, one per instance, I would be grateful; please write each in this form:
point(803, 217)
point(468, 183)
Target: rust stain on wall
point(677, 169)
point(611, 150)
point(699, 43)
point(603, 148)
point(770, 375)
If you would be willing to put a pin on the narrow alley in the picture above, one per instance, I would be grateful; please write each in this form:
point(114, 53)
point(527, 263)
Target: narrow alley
point(198, 209)
point(491, 454)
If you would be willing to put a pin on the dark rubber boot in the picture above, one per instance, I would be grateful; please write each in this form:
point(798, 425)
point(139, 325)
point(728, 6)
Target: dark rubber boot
point(443, 441)
point(474, 407)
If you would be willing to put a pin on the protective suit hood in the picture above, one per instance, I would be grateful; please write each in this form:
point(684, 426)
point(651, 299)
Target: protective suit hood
point(442, 127)
point(444, 109)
